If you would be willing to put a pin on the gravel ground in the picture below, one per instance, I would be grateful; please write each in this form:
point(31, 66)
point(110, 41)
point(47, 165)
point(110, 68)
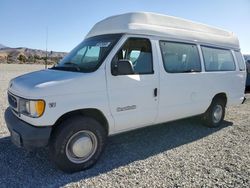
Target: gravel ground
point(178, 154)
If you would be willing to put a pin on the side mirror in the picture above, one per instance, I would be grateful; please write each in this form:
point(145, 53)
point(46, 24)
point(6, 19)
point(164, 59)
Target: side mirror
point(122, 67)
point(248, 61)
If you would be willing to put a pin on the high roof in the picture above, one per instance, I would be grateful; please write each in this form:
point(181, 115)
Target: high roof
point(165, 26)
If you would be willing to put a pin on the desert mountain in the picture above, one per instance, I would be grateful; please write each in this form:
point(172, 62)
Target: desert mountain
point(29, 56)
point(2, 46)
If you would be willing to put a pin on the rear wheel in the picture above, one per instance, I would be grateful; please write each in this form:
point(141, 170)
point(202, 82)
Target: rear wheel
point(215, 113)
point(77, 143)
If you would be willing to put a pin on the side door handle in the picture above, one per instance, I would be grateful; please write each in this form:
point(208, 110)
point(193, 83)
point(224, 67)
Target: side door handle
point(155, 92)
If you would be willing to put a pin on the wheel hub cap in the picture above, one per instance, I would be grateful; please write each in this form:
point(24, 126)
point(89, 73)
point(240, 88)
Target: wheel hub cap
point(217, 114)
point(81, 146)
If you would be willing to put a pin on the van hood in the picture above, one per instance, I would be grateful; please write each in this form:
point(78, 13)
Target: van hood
point(45, 83)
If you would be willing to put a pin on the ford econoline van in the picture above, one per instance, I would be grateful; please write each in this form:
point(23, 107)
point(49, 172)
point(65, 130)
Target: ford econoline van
point(131, 70)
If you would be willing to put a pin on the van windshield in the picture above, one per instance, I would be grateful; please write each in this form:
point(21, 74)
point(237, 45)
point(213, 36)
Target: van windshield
point(88, 55)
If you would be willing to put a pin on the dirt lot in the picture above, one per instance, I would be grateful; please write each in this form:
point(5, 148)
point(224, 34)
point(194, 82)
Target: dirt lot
point(178, 154)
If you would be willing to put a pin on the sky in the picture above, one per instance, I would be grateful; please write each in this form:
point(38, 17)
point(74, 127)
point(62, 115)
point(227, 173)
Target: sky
point(23, 23)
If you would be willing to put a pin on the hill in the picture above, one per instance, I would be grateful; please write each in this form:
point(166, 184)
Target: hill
point(28, 56)
point(2, 46)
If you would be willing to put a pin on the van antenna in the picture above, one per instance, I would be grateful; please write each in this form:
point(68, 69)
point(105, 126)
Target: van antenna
point(46, 47)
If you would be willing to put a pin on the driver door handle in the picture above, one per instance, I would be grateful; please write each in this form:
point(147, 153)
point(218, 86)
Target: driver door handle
point(155, 92)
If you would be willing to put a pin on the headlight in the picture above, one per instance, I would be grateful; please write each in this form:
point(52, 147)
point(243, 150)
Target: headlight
point(31, 108)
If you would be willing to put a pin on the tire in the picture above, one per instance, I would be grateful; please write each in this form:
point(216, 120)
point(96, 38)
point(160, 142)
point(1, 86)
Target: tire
point(215, 114)
point(67, 140)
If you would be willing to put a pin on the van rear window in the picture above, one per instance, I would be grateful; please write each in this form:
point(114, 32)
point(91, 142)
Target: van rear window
point(217, 59)
point(240, 61)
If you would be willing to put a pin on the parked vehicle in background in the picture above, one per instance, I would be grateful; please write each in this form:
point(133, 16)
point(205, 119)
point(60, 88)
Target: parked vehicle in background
point(247, 58)
point(132, 70)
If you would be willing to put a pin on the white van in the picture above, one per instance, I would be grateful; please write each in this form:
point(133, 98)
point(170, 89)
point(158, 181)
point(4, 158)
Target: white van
point(131, 70)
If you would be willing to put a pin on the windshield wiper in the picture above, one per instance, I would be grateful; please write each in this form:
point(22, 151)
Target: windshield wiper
point(74, 68)
point(75, 65)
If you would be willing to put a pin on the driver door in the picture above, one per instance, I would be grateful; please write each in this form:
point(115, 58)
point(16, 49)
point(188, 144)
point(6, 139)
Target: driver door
point(133, 98)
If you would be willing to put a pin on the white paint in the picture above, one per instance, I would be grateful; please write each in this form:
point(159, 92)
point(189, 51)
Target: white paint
point(166, 26)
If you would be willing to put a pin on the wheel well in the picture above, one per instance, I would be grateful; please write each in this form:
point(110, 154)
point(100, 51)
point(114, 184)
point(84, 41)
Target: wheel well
point(89, 112)
point(221, 96)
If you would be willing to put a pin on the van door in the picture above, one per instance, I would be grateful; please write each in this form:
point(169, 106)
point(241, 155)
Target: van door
point(133, 98)
point(182, 85)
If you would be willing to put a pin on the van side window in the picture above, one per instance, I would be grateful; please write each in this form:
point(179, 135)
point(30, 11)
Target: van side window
point(240, 60)
point(217, 59)
point(139, 52)
point(180, 57)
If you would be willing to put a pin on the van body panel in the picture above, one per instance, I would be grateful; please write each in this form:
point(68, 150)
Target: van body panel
point(131, 97)
point(146, 23)
point(70, 91)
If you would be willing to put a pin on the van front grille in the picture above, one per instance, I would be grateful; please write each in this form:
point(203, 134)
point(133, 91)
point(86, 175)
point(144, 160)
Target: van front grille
point(12, 101)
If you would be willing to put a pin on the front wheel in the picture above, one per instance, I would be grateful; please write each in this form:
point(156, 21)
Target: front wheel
point(77, 143)
point(215, 113)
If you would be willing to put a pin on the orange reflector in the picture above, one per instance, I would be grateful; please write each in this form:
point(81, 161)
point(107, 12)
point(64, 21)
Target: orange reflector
point(40, 105)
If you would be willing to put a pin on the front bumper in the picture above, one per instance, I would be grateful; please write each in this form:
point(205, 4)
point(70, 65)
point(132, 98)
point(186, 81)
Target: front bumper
point(24, 134)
